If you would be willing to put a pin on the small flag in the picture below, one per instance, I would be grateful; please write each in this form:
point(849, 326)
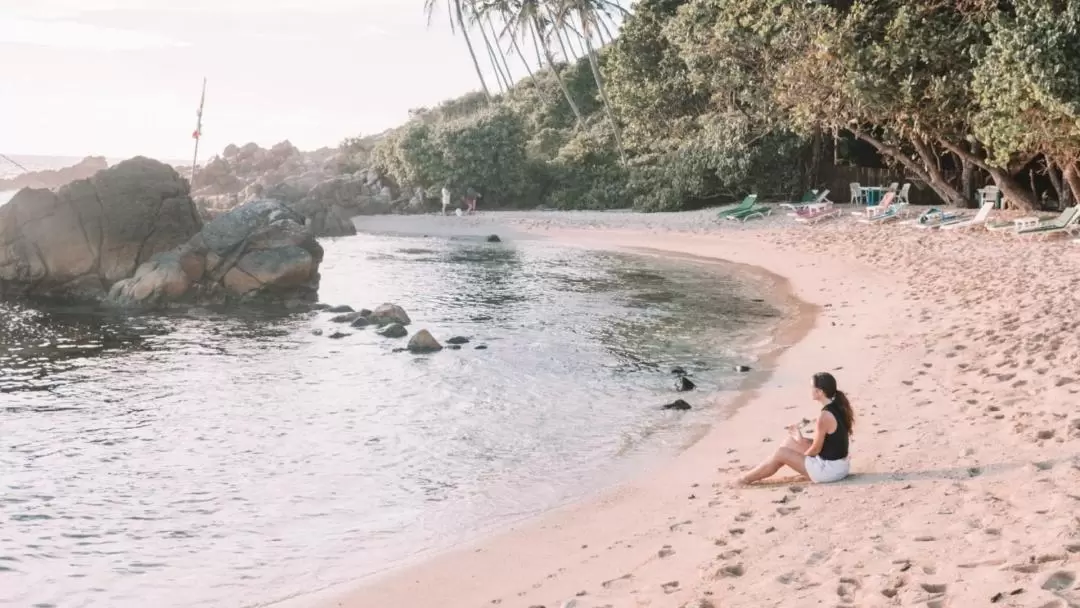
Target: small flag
point(198, 123)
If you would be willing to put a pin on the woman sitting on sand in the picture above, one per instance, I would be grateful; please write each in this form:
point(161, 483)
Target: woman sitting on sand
point(825, 459)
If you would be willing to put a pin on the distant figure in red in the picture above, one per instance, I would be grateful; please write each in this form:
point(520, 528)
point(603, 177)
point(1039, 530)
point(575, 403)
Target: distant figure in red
point(470, 200)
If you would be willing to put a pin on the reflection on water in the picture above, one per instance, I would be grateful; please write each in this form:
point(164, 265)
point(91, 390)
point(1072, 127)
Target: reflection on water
point(210, 459)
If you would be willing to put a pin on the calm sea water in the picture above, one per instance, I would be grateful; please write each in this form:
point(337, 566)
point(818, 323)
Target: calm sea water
point(226, 460)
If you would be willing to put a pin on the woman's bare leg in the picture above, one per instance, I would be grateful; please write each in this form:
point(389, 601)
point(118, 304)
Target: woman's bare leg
point(784, 456)
point(798, 445)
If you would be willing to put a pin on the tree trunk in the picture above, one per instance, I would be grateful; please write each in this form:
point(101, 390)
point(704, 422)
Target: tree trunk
point(594, 64)
point(562, 45)
point(815, 159)
point(932, 163)
point(502, 56)
point(967, 180)
point(472, 53)
point(494, 59)
point(1060, 189)
point(943, 189)
point(1010, 187)
point(558, 78)
point(1072, 177)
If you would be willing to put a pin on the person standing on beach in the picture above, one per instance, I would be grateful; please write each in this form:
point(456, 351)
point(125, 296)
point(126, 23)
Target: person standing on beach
point(446, 197)
point(470, 200)
point(824, 459)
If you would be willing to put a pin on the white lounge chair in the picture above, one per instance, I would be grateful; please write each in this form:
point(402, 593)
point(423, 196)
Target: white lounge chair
point(820, 198)
point(857, 194)
point(978, 220)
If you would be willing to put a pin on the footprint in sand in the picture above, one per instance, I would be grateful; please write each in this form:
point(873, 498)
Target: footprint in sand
point(616, 583)
point(744, 516)
point(670, 587)
point(665, 551)
point(1059, 581)
point(730, 571)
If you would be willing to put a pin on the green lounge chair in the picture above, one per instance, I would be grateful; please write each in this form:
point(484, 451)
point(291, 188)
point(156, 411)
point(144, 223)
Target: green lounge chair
point(1066, 221)
point(755, 211)
point(935, 217)
point(746, 205)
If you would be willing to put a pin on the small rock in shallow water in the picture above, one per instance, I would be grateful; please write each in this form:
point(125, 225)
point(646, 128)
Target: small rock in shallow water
point(458, 340)
point(678, 404)
point(360, 322)
point(494, 238)
point(316, 332)
point(742, 368)
point(337, 335)
point(389, 313)
point(454, 347)
point(684, 384)
point(678, 371)
point(393, 331)
point(482, 347)
point(423, 342)
point(339, 309)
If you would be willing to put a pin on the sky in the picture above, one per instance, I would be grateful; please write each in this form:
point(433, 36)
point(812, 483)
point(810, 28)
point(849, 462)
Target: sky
point(122, 77)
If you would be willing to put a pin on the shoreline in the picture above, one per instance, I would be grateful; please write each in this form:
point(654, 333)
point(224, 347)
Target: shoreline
point(960, 361)
point(389, 587)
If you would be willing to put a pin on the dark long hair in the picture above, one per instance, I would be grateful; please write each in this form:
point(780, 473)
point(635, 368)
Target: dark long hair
point(826, 383)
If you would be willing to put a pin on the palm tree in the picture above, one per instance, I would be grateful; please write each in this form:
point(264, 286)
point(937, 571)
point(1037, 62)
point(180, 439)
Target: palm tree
point(521, 16)
point(591, 14)
point(456, 10)
point(504, 10)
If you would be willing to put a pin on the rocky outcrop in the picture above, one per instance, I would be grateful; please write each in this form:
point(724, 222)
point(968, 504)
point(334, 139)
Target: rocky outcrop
point(328, 186)
point(259, 252)
point(78, 241)
point(53, 179)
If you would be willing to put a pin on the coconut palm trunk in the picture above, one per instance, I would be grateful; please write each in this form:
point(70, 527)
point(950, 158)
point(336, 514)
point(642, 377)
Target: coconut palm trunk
point(460, 18)
point(538, 31)
point(594, 64)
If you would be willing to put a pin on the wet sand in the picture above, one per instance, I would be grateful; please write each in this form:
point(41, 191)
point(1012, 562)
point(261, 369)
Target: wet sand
point(961, 355)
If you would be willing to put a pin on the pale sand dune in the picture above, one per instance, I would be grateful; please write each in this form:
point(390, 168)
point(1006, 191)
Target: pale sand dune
point(961, 354)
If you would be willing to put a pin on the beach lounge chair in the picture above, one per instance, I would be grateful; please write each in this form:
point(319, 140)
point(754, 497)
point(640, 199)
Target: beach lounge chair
point(815, 200)
point(752, 212)
point(978, 220)
point(816, 213)
point(884, 207)
point(746, 205)
point(935, 218)
point(1067, 221)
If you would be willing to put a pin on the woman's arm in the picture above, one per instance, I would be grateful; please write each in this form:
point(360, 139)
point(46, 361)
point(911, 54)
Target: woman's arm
point(820, 430)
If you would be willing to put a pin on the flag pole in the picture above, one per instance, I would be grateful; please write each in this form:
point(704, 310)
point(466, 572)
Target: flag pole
point(198, 132)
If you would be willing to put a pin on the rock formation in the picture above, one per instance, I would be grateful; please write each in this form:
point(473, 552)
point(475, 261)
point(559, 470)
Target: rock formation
point(259, 252)
point(327, 186)
point(130, 236)
point(52, 179)
point(78, 241)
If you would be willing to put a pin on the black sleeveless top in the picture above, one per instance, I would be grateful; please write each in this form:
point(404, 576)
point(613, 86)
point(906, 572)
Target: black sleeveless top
point(835, 446)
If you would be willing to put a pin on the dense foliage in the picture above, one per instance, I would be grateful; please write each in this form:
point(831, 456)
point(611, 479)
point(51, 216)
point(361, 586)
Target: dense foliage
point(705, 100)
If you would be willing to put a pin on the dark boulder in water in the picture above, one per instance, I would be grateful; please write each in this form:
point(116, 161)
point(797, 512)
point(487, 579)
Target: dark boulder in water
point(316, 332)
point(321, 306)
point(339, 309)
point(347, 318)
point(360, 322)
point(678, 371)
point(458, 340)
point(494, 238)
point(742, 368)
point(482, 347)
point(389, 313)
point(337, 335)
point(684, 384)
point(678, 404)
point(394, 330)
point(423, 342)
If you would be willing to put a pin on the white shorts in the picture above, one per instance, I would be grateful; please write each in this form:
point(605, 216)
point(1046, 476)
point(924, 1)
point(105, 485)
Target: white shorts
point(826, 471)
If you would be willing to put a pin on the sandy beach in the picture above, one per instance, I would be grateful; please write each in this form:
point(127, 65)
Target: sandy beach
point(960, 353)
